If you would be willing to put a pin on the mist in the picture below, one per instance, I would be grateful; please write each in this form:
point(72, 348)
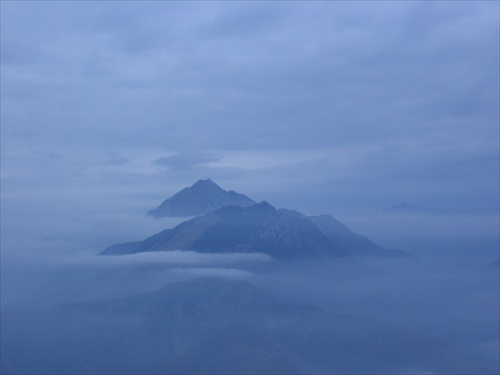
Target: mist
point(443, 290)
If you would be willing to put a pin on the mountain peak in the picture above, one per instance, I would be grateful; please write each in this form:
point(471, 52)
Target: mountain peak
point(203, 197)
point(205, 183)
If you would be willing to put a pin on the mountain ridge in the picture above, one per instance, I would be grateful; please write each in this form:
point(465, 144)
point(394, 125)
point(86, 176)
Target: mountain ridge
point(282, 234)
point(257, 228)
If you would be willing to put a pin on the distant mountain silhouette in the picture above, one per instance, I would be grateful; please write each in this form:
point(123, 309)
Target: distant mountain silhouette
point(201, 198)
point(282, 234)
point(405, 208)
point(493, 267)
point(212, 325)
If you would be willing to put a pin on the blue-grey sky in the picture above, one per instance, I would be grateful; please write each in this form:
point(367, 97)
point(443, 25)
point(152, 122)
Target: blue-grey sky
point(110, 107)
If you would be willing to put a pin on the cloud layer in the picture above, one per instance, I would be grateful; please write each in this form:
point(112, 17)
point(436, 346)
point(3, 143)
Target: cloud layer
point(368, 102)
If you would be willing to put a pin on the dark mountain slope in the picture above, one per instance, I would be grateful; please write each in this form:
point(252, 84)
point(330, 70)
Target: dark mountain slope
point(258, 228)
point(202, 198)
point(213, 325)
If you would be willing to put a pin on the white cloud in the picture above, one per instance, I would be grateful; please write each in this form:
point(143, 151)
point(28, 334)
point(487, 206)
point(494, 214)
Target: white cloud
point(230, 273)
point(172, 258)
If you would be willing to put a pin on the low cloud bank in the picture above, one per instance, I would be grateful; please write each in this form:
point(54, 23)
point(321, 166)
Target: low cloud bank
point(41, 282)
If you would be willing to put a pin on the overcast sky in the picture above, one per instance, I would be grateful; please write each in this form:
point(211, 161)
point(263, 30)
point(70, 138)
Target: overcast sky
point(316, 106)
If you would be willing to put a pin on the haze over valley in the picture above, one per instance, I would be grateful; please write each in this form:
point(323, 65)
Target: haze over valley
point(249, 288)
